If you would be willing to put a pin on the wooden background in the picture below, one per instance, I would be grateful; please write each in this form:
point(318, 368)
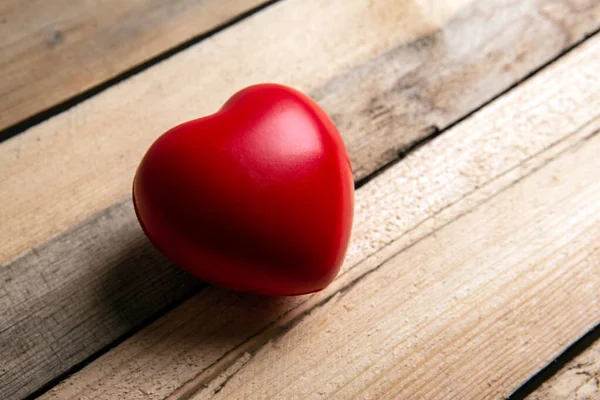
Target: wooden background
point(474, 266)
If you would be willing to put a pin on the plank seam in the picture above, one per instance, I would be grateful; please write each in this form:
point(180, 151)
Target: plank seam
point(437, 131)
point(86, 94)
point(557, 364)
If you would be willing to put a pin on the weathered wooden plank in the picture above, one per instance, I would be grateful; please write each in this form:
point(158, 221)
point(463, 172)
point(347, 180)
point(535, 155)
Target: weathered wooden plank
point(494, 180)
point(387, 105)
point(387, 71)
point(53, 50)
point(579, 379)
point(77, 294)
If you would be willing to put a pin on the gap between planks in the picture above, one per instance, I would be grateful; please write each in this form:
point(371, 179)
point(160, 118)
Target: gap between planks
point(73, 50)
point(526, 163)
point(578, 380)
point(572, 375)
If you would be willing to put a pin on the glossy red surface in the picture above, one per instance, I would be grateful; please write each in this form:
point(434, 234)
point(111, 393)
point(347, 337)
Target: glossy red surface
point(257, 197)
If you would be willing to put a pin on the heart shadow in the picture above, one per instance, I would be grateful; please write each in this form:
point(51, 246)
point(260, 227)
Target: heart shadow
point(177, 318)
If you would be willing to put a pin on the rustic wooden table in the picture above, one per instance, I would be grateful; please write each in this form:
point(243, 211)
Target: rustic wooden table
point(472, 128)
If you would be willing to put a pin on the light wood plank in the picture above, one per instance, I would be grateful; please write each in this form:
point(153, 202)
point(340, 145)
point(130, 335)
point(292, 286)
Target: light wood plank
point(53, 50)
point(433, 276)
point(577, 380)
point(387, 71)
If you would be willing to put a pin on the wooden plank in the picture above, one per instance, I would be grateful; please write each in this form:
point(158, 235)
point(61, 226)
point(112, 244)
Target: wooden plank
point(77, 294)
point(522, 174)
point(389, 72)
point(579, 379)
point(51, 51)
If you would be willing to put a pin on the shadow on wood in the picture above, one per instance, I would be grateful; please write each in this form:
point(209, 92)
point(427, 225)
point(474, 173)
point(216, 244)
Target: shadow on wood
point(66, 301)
point(132, 285)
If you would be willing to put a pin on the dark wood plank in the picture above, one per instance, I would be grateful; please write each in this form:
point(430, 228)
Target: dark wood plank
point(78, 293)
point(52, 50)
point(395, 101)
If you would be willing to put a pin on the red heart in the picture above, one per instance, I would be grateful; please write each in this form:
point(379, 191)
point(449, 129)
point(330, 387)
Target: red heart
point(257, 197)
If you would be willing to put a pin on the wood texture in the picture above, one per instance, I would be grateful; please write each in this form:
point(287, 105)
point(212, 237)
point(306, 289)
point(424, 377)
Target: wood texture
point(389, 72)
point(92, 283)
point(434, 298)
point(53, 50)
point(79, 293)
point(577, 380)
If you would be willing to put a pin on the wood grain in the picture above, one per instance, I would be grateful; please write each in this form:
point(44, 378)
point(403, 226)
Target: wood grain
point(392, 102)
point(77, 294)
point(53, 50)
point(433, 275)
point(577, 380)
point(389, 72)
